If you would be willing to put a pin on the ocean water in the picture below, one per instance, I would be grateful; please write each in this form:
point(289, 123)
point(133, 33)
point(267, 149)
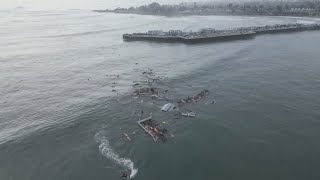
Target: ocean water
point(59, 118)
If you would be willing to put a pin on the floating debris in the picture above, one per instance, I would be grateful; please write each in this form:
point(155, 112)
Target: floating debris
point(194, 98)
point(153, 129)
point(145, 72)
point(148, 87)
point(136, 84)
point(148, 72)
point(125, 175)
point(147, 91)
point(156, 97)
point(189, 114)
point(168, 107)
point(113, 75)
point(127, 136)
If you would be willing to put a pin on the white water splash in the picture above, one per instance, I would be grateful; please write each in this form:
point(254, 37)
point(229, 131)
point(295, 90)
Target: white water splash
point(106, 151)
point(305, 22)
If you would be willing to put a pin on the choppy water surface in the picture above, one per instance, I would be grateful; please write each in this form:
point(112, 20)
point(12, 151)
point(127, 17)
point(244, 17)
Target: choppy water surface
point(59, 118)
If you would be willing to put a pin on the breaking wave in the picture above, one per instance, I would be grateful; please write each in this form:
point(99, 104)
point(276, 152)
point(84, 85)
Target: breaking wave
point(106, 151)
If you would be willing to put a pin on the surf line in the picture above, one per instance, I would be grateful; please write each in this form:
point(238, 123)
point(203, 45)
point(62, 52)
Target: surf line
point(108, 152)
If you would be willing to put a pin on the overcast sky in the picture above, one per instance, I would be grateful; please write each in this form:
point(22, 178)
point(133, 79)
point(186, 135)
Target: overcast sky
point(82, 4)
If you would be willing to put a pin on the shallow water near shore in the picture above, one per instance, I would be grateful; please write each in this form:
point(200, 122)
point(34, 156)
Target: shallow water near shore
point(59, 118)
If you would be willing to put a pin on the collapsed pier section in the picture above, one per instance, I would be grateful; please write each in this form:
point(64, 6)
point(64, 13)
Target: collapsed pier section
point(153, 129)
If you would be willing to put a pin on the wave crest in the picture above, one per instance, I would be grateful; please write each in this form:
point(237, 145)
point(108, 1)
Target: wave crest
point(107, 151)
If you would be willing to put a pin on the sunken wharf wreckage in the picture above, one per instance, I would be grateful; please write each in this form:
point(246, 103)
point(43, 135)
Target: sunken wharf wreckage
point(211, 35)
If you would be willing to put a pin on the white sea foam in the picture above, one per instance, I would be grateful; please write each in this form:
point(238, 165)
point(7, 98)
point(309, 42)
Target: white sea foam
point(106, 151)
point(305, 22)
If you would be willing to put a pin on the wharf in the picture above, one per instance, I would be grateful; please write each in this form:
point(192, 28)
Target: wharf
point(205, 35)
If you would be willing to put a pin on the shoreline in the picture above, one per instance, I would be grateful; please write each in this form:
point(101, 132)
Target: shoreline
point(203, 15)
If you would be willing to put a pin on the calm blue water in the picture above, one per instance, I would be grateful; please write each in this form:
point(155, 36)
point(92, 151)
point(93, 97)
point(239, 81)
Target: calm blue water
point(59, 118)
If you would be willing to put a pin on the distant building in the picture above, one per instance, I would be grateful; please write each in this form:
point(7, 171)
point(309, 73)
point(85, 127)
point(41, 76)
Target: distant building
point(207, 30)
point(175, 32)
point(156, 32)
point(302, 10)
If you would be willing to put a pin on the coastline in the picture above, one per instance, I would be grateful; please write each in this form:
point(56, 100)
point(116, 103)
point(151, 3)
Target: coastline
point(189, 15)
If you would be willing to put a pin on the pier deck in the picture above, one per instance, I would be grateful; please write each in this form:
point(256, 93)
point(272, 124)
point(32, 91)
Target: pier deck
point(205, 35)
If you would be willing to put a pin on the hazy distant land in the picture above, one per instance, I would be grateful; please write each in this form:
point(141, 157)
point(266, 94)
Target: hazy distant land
point(265, 8)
